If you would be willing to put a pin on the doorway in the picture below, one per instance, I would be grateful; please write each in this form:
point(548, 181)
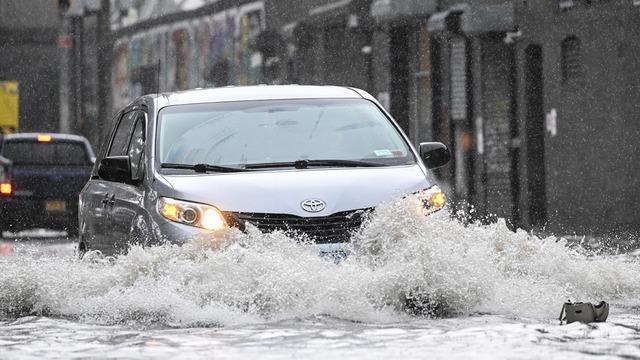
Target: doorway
point(534, 102)
point(501, 181)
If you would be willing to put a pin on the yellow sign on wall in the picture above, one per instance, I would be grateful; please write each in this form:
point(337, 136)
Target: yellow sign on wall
point(8, 106)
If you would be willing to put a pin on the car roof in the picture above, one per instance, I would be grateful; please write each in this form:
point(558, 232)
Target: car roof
point(55, 136)
point(256, 92)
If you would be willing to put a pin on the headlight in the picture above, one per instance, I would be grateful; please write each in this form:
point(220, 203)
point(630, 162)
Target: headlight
point(431, 200)
point(194, 214)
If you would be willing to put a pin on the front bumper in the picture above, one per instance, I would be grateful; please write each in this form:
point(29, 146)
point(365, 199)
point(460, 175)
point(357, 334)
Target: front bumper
point(180, 234)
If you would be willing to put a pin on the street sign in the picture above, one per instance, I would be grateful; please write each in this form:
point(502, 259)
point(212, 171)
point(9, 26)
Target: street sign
point(8, 106)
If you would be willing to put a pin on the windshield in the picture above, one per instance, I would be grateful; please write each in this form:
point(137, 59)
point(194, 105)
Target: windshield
point(280, 131)
point(50, 153)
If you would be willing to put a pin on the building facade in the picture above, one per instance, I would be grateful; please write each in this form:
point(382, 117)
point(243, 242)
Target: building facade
point(29, 56)
point(546, 136)
point(536, 99)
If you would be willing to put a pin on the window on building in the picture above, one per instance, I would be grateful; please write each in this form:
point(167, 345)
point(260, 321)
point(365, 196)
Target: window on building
point(571, 59)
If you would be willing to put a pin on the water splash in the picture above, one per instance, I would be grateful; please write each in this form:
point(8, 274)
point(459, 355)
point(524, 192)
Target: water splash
point(400, 261)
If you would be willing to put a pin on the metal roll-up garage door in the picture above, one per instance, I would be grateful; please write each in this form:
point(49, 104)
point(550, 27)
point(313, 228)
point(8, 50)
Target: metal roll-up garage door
point(497, 108)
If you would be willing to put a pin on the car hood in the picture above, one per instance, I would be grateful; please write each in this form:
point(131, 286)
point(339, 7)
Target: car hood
point(283, 191)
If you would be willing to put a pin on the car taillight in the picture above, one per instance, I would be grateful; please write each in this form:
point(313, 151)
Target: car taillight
point(44, 138)
point(6, 189)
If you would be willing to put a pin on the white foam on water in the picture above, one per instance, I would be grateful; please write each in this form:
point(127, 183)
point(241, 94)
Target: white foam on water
point(399, 254)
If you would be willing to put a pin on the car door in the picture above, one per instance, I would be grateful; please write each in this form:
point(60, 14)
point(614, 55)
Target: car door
point(97, 198)
point(128, 215)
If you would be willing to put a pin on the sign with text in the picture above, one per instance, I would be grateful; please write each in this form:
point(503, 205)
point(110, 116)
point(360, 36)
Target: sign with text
point(8, 106)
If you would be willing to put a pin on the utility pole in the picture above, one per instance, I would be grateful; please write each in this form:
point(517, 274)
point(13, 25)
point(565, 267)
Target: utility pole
point(77, 73)
point(105, 54)
point(65, 44)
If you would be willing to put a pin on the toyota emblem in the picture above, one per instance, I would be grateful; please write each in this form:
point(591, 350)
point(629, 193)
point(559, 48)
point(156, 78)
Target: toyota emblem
point(313, 205)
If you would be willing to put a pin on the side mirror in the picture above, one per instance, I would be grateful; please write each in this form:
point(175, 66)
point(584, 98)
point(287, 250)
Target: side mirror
point(115, 168)
point(434, 154)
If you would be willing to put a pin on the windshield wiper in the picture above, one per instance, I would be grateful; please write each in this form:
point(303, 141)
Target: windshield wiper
point(202, 168)
point(304, 164)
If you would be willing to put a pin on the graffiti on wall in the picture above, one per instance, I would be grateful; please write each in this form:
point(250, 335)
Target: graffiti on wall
point(215, 50)
point(221, 68)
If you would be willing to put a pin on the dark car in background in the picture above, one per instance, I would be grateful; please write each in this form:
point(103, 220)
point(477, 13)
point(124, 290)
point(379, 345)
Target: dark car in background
point(6, 188)
point(48, 172)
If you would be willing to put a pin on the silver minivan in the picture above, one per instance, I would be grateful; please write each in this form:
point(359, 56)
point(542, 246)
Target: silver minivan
point(310, 160)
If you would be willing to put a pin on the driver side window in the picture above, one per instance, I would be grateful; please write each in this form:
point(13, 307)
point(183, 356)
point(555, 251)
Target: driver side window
point(120, 142)
point(129, 140)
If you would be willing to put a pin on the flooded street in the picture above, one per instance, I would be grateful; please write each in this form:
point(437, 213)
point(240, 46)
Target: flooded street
point(319, 179)
point(499, 294)
point(487, 336)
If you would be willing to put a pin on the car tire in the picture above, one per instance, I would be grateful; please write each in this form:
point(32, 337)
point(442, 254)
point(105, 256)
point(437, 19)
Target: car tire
point(82, 249)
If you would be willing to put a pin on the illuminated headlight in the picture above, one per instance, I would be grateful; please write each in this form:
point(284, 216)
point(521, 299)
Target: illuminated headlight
point(431, 200)
point(194, 214)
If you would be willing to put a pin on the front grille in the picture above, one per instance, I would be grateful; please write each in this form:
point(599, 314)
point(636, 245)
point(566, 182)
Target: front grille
point(334, 228)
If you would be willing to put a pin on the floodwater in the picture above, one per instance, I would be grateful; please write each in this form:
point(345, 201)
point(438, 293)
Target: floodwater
point(476, 290)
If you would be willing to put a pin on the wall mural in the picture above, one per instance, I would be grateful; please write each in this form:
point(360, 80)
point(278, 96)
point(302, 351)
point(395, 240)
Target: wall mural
point(215, 50)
